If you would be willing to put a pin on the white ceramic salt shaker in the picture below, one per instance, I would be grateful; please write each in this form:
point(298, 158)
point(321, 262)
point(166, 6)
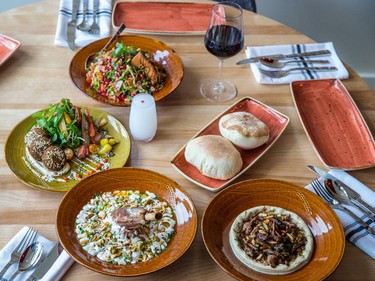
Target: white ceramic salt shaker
point(143, 117)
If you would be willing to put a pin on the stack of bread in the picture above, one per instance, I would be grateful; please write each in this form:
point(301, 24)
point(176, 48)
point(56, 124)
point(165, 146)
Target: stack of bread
point(216, 156)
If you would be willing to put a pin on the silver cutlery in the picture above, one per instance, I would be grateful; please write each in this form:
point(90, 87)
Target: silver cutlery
point(345, 189)
point(323, 193)
point(94, 29)
point(29, 258)
point(71, 28)
point(280, 56)
point(283, 73)
point(84, 25)
point(342, 197)
point(354, 196)
point(29, 238)
point(46, 264)
point(279, 64)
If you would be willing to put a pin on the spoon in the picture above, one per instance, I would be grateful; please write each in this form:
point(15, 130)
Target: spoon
point(270, 62)
point(29, 258)
point(92, 56)
point(84, 25)
point(342, 196)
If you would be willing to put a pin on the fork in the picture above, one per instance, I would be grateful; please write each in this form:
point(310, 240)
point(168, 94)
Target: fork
point(95, 27)
point(282, 73)
point(20, 248)
point(323, 193)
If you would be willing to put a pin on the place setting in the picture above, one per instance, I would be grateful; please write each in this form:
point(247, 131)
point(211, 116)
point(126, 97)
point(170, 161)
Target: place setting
point(352, 201)
point(30, 256)
point(283, 64)
point(81, 22)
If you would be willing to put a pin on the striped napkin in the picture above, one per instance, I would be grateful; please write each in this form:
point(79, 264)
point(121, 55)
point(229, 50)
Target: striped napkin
point(58, 269)
point(354, 232)
point(103, 18)
point(341, 73)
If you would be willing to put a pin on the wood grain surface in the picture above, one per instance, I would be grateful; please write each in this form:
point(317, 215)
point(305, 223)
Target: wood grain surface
point(37, 75)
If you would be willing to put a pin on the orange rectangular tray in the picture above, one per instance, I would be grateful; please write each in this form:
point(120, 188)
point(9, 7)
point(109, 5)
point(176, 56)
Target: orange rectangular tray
point(7, 47)
point(162, 17)
point(275, 121)
point(335, 126)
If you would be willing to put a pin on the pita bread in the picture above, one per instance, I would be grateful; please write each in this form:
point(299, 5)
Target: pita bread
point(214, 156)
point(243, 129)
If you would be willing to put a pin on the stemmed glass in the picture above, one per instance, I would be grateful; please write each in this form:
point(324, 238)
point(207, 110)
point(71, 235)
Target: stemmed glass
point(224, 39)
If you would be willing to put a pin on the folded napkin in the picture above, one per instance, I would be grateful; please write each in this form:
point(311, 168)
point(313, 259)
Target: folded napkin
point(354, 232)
point(103, 18)
point(341, 73)
point(58, 269)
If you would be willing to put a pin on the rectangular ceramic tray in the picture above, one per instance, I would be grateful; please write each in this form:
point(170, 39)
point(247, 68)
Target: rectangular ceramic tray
point(276, 122)
point(333, 123)
point(162, 17)
point(7, 47)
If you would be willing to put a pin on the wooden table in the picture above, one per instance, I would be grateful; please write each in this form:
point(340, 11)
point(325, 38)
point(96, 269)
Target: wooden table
point(37, 75)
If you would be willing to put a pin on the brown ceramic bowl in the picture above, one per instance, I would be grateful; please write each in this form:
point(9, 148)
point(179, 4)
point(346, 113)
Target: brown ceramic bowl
point(124, 179)
point(329, 240)
point(170, 60)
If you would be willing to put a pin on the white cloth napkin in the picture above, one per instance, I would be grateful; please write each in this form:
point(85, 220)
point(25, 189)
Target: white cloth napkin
point(103, 18)
point(341, 73)
point(354, 232)
point(58, 269)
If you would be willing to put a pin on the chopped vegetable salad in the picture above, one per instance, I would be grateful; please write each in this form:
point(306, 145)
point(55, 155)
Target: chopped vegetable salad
point(123, 72)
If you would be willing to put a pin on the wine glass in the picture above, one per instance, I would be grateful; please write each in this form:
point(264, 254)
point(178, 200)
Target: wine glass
point(224, 39)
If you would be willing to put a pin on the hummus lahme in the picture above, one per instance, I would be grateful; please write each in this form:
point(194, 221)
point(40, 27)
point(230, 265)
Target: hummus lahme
point(271, 240)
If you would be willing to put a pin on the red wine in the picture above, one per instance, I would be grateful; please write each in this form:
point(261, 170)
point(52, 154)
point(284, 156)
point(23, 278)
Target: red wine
point(224, 41)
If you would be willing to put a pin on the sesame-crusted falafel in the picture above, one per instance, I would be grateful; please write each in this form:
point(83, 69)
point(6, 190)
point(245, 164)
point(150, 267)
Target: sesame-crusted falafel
point(54, 158)
point(37, 147)
point(35, 132)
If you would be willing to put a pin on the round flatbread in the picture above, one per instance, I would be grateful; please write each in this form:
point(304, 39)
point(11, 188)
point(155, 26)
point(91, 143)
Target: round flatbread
point(244, 130)
point(214, 156)
point(271, 240)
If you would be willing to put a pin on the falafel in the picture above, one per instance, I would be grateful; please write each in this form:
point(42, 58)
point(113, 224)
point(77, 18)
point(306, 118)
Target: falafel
point(37, 147)
point(33, 133)
point(54, 158)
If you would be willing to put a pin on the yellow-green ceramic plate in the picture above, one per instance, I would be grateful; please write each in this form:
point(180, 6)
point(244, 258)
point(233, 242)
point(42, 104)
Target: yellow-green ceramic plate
point(15, 150)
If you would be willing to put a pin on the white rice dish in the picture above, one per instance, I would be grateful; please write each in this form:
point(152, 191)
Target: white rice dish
point(100, 235)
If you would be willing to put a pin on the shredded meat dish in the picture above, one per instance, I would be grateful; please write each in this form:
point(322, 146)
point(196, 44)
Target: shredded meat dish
point(270, 238)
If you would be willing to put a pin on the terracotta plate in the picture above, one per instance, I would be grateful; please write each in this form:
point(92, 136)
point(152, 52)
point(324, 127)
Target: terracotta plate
point(162, 17)
point(275, 121)
point(161, 53)
point(329, 240)
point(334, 124)
point(124, 179)
point(15, 151)
point(7, 47)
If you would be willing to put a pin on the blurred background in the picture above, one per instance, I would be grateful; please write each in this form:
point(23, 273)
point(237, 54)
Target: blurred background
point(349, 24)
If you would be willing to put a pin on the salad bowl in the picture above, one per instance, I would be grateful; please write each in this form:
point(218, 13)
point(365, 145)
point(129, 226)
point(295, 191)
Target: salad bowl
point(161, 53)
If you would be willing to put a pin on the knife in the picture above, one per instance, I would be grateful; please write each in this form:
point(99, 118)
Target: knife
point(71, 27)
point(352, 194)
point(280, 56)
point(45, 265)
